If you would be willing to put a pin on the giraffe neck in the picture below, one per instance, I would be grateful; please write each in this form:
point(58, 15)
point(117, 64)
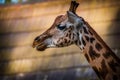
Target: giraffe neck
point(103, 61)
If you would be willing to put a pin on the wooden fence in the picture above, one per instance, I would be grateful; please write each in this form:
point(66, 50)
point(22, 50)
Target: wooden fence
point(20, 24)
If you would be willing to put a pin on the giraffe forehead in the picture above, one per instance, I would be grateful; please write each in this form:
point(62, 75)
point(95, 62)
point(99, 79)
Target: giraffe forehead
point(60, 19)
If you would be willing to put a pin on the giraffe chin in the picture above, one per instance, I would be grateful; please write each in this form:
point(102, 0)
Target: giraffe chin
point(41, 47)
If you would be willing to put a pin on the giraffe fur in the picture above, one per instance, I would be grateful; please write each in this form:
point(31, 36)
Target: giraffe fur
point(71, 29)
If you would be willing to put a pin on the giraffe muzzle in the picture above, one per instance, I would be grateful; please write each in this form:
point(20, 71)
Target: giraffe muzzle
point(39, 42)
point(39, 46)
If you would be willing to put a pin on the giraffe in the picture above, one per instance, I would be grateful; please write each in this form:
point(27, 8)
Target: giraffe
point(71, 29)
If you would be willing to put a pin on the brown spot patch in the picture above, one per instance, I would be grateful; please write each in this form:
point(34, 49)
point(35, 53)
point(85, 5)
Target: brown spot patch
point(103, 70)
point(106, 55)
point(96, 71)
point(86, 55)
point(98, 46)
point(87, 38)
point(69, 35)
point(93, 54)
point(65, 40)
point(85, 30)
point(79, 42)
point(113, 65)
point(83, 42)
point(92, 40)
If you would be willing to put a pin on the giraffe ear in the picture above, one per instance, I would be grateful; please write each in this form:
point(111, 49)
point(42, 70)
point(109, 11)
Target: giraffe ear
point(71, 16)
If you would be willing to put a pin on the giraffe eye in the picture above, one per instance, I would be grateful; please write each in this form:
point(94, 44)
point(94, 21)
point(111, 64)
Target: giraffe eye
point(61, 27)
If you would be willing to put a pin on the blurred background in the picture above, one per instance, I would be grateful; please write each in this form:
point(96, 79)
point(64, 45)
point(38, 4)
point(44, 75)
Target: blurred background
point(22, 20)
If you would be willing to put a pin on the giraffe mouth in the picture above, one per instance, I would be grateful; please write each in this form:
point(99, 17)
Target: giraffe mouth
point(39, 46)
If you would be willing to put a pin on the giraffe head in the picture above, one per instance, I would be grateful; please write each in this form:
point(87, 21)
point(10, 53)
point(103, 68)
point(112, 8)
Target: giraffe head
point(62, 33)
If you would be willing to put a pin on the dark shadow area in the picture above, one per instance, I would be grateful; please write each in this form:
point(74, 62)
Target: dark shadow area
point(4, 49)
point(114, 30)
point(67, 74)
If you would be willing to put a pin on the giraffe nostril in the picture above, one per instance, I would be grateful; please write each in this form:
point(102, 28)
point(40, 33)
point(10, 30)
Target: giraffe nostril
point(37, 38)
point(35, 42)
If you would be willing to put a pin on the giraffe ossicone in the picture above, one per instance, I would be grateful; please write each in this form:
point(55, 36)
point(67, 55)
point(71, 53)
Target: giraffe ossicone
point(71, 29)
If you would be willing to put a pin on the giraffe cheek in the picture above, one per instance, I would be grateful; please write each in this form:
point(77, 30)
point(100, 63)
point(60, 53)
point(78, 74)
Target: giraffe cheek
point(58, 43)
